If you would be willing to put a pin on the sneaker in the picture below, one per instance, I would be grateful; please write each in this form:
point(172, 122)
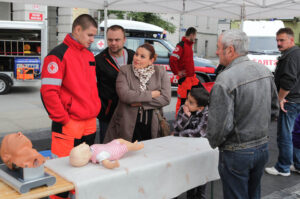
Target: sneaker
point(293, 169)
point(273, 171)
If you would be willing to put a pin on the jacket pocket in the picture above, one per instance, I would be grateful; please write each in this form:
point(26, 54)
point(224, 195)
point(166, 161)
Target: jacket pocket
point(61, 144)
point(67, 102)
point(92, 63)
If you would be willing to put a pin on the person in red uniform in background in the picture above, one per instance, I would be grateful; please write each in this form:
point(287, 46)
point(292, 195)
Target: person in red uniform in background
point(69, 90)
point(182, 65)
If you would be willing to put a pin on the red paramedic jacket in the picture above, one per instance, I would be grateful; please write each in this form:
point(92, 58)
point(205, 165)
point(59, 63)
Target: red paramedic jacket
point(182, 58)
point(69, 85)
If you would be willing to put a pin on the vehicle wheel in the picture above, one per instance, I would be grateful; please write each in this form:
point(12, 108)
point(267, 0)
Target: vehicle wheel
point(201, 79)
point(4, 85)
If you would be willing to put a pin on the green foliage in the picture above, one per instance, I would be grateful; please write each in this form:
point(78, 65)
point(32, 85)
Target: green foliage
point(145, 17)
point(119, 14)
point(235, 24)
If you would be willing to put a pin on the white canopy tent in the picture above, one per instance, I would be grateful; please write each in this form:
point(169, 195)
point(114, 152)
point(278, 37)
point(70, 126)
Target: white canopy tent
point(224, 9)
point(230, 9)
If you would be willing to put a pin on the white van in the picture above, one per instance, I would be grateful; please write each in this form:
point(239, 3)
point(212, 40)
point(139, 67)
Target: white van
point(262, 41)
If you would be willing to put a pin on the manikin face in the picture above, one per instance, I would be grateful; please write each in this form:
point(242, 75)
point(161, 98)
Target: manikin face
point(80, 155)
point(141, 58)
point(17, 151)
point(85, 37)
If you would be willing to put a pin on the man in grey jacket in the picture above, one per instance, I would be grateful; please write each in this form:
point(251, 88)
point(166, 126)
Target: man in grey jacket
point(239, 117)
point(287, 80)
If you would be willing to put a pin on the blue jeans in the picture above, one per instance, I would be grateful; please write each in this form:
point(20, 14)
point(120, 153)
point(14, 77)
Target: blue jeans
point(285, 127)
point(241, 171)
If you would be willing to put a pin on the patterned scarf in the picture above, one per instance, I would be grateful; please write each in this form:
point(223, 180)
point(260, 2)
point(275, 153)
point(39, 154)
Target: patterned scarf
point(143, 74)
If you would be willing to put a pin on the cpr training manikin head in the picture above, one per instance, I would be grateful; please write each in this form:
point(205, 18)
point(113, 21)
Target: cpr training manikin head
point(80, 155)
point(17, 152)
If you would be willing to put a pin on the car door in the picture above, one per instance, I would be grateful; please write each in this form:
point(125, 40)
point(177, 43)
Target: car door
point(163, 53)
point(161, 50)
point(133, 43)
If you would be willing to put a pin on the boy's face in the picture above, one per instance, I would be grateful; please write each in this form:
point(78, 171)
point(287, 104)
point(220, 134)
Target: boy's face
point(191, 103)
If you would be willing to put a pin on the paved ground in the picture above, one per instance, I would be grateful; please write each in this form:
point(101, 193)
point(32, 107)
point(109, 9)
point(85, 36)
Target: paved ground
point(22, 110)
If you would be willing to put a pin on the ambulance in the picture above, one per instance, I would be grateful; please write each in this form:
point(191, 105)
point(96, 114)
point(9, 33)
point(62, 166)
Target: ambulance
point(23, 45)
point(262, 41)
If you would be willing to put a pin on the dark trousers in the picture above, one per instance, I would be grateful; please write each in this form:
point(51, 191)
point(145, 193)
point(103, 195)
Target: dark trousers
point(142, 130)
point(241, 171)
point(196, 193)
point(102, 130)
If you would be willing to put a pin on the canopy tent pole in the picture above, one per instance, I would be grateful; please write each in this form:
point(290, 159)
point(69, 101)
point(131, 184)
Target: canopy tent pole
point(44, 38)
point(105, 21)
point(99, 20)
point(243, 16)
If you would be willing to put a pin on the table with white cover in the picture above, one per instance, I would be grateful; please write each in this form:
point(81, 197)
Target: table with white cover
point(164, 168)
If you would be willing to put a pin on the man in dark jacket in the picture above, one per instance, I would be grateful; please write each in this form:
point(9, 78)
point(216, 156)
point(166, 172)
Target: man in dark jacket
point(287, 80)
point(108, 63)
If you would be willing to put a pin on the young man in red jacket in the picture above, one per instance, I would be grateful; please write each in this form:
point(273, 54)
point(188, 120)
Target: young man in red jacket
point(69, 89)
point(182, 65)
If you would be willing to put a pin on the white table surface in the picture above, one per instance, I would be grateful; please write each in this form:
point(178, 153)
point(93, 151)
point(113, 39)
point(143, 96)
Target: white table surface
point(164, 168)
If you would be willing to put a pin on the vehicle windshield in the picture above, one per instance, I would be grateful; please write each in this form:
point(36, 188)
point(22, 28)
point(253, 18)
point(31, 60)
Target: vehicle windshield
point(263, 45)
point(170, 45)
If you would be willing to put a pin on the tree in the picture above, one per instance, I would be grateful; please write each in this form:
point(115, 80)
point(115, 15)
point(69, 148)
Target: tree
point(146, 17)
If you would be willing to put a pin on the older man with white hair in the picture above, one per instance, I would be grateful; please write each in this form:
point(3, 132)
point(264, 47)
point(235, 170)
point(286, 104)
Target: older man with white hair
point(239, 117)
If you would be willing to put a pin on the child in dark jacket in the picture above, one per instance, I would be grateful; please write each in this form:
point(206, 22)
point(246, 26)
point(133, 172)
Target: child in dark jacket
point(192, 117)
point(191, 121)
